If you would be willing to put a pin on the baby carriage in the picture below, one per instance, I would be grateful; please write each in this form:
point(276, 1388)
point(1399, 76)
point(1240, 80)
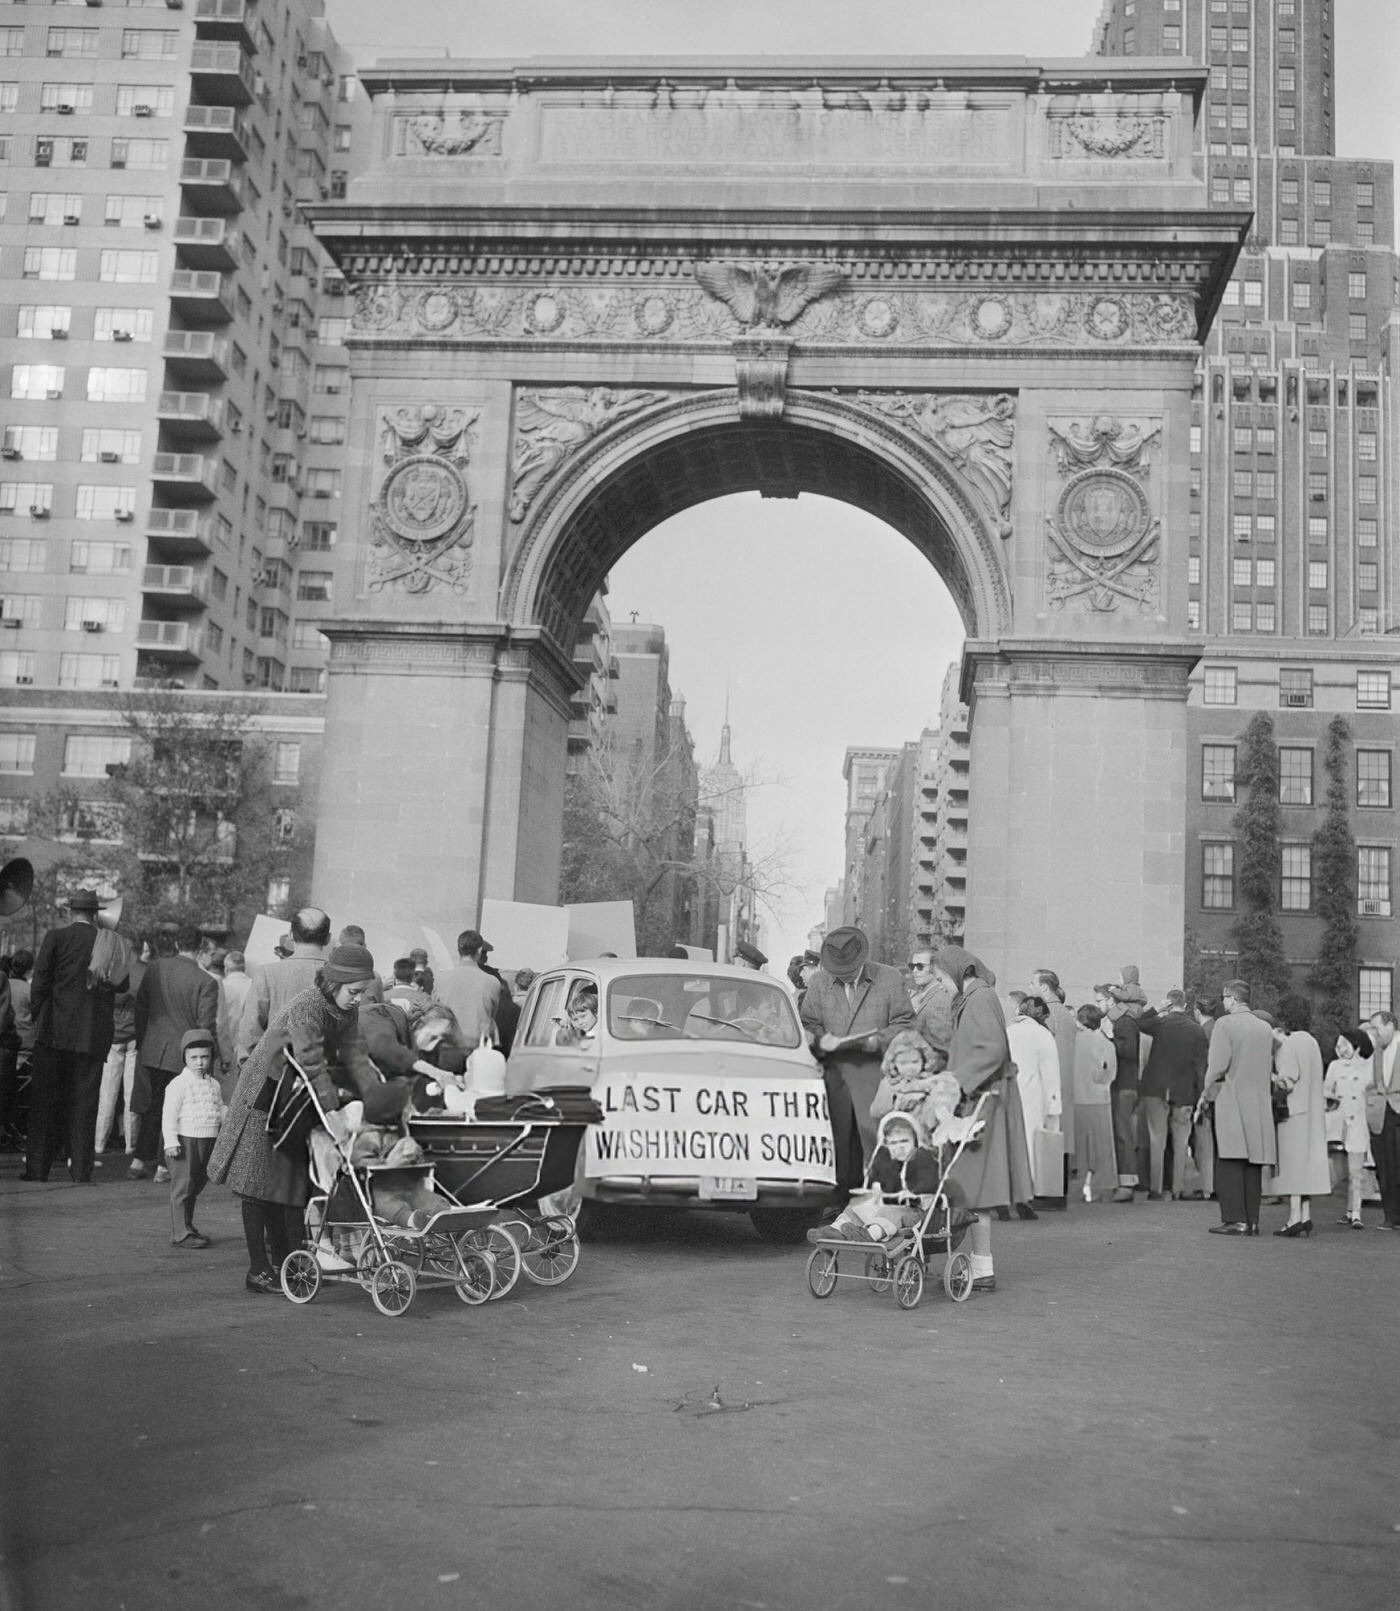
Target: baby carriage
point(903, 1262)
point(508, 1165)
point(348, 1239)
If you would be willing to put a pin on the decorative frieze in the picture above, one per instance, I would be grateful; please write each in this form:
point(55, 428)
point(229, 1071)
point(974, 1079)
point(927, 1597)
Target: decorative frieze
point(1109, 136)
point(975, 433)
point(551, 425)
point(1103, 538)
point(421, 518)
point(455, 132)
point(728, 305)
point(760, 372)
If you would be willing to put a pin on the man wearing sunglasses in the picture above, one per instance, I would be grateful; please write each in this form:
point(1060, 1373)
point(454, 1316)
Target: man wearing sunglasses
point(933, 1004)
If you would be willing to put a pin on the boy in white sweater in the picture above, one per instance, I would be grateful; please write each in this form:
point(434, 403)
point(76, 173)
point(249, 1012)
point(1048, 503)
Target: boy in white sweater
point(194, 1109)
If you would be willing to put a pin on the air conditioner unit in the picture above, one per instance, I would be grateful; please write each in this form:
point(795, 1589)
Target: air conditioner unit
point(108, 457)
point(321, 492)
point(10, 621)
point(111, 682)
point(152, 220)
point(142, 111)
point(65, 110)
point(24, 682)
point(53, 396)
point(10, 453)
point(1297, 701)
point(1374, 908)
point(71, 218)
point(121, 335)
point(301, 436)
point(125, 517)
point(58, 333)
point(92, 626)
point(119, 162)
point(36, 513)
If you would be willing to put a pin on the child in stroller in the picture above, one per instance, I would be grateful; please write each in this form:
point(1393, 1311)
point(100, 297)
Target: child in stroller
point(904, 1174)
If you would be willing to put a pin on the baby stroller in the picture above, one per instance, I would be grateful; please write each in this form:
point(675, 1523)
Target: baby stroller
point(903, 1262)
point(504, 1164)
point(347, 1241)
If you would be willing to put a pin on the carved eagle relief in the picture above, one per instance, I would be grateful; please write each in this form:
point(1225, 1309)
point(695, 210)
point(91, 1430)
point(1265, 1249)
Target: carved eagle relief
point(768, 295)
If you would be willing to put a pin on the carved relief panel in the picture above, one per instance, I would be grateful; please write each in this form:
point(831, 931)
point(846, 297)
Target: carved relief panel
point(421, 518)
point(553, 423)
point(1103, 537)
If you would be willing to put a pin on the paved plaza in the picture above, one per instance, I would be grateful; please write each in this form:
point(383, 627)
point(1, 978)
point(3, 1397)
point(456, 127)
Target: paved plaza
point(1140, 1416)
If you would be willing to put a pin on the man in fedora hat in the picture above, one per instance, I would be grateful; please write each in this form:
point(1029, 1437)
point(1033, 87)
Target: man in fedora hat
point(852, 1010)
point(72, 1036)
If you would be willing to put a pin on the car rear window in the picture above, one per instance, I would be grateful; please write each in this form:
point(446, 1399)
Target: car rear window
point(679, 1006)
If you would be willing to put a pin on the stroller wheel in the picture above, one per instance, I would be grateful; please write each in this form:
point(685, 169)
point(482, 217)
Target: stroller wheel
point(501, 1244)
point(392, 1288)
point(877, 1272)
point(474, 1273)
point(908, 1282)
point(957, 1277)
point(551, 1254)
point(822, 1272)
point(301, 1276)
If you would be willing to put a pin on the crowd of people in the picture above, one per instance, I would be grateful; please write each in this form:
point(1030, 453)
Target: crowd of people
point(172, 1051)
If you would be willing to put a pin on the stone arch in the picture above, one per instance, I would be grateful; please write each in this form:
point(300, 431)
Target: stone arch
point(656, 463)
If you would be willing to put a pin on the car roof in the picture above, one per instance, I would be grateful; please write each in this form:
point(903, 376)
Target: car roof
point(609, 968)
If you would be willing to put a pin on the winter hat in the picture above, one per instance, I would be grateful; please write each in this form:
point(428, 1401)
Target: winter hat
point(83, 900)
point(896, 1118)
point(955, 960)
point(907, 1040)
point(348, 964)
point(1129, 976)
point(196, 1037)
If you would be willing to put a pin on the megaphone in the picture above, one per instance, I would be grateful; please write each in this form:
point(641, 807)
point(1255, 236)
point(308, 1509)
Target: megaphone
point(110, 915)
point(16, 886)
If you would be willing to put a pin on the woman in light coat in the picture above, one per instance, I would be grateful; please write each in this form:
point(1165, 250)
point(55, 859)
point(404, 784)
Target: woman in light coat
point(1344, 1091)
point(997, 1172)
point(1301, 1172)
point(1038, 1079)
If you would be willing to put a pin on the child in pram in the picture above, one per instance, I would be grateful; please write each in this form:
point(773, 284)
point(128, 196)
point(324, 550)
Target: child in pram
point(905, 1174)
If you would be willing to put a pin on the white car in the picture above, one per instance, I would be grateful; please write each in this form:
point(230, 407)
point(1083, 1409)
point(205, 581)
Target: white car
point(710, 1095)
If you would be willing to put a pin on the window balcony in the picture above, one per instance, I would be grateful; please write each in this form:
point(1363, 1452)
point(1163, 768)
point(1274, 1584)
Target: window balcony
point(205, 243)
point(211, 185)
point(192, 416)
point(177, 586)
point(185, 477)
point(180, 533)
point(201, 297)
point(196, 354)
point(169, 640)
point(216, 131)
point(224, 19)
point(223, 74)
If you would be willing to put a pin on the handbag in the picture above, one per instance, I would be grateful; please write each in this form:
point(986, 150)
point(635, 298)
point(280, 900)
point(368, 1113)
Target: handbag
point(1278, 1100)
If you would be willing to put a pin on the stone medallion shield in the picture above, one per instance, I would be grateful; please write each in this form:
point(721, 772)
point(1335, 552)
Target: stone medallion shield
point(1103, 513)
point(423, 498)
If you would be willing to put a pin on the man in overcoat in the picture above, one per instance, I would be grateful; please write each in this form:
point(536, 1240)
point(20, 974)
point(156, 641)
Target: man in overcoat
point(1171, 1086)
point(275, 984)
point(1238, 1072)
point(175, 995)
point(72, 1036)
point(852, 1010)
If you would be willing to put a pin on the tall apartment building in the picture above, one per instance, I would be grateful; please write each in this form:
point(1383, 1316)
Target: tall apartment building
point(1294, 567)
point(170, 341)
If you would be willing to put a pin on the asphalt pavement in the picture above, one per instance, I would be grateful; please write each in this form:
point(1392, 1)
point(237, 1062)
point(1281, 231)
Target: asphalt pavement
point(1141, 1416)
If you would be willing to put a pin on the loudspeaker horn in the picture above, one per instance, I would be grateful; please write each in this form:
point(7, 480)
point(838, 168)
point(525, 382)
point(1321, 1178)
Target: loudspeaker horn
point(110, 915)
point(16, 886)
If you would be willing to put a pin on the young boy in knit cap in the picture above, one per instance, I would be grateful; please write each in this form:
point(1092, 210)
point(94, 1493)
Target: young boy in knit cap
point(190, 1119)
point(902, 1168)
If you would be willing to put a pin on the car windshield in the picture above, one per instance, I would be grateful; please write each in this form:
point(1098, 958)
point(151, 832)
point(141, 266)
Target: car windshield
point(683, 1006)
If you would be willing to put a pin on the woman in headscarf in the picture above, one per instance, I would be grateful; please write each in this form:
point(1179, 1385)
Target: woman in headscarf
point(320, 1028)
point(997, 1172)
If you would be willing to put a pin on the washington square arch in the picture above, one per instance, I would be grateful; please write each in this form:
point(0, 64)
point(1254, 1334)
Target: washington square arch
point(966, 296)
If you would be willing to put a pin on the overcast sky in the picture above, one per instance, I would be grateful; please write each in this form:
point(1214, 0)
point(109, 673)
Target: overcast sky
point(824, 627)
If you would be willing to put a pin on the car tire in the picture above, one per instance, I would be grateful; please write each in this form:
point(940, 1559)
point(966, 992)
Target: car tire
point(782, 1227)
point(590, 1221)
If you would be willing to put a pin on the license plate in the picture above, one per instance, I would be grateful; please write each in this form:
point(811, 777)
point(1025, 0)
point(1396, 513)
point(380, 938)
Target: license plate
point(732, 1187)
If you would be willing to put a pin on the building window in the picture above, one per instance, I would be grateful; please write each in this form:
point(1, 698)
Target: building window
point(1264, 484)
point(279, 895)
point(1317, 619)
point(99, 559)
point(1218, 772)
point(16, 668)
point(16, 752)
point(1295, 687)
point(1373, 690)
point(1366, 445)
point(1193, 570)
point(314, 586)
point(88, 670)
point(1244, 483)
point(1295, 891)
point(1264, 528)
point(1295, 777)
point(1242, 571)
point(1193, 614)
point(1365, 193)
point(1254, 293)
point(128, 268)
point(94, 614)
point(1220, 686)
point(1373, 989)
point(87, 755)
point(1373, 880)
point(1356, 285)
point(1263, 573)
point(1217, 877)
point(1288, 231)
point(49, 263)
point(318, 536)
point(23, 555)
point(1265, 617)
point(116, 385)
point(1244, 439)
point(1366, 489)
point(1373, 778)
point(286, 761)
point(1317, 575)
point(1241, 617)
point(1317, 444)
point(1302, 294)
point(1317, 528)
point(1317, 485)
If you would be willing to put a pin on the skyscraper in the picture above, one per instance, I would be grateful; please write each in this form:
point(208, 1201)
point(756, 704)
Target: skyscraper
point(1293, 567)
